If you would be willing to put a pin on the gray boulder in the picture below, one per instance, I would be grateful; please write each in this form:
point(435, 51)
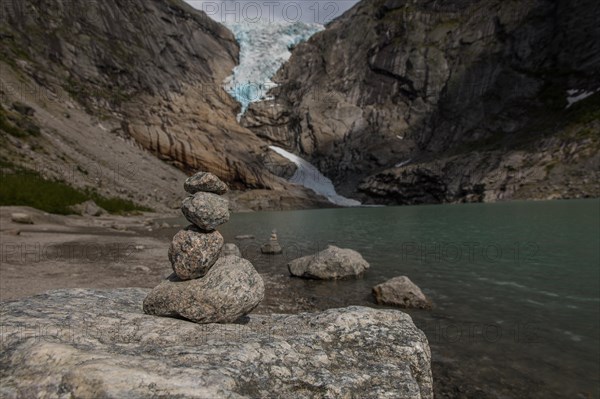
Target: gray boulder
point(402, 292)
point(245, 237)
point(193, 252)
point(230, 289)
point(330, 264)
point(21, 218)
point(98, 344)
point(88, 208)
point(271, 248)
point(205, 210)
point(205, 182)
point(230, 249)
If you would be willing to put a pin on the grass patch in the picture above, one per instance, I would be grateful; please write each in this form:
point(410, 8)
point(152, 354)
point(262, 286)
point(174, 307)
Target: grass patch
point(27, 188)
point(584, 111)
point(17, 125)
point(576, 123)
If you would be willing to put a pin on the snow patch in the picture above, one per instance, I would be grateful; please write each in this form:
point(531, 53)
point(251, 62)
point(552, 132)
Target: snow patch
point(308, 175)
point(575, 95)
point(401, 164)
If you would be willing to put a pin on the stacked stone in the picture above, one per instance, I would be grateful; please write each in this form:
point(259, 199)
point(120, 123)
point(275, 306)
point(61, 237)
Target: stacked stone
point(272, 247)
point(207, 286)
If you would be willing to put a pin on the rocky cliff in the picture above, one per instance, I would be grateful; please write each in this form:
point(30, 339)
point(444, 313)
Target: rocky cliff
point(104, 84)
point(405, 102)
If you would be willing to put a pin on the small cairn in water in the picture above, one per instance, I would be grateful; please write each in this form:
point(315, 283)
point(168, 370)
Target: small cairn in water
point(272, 247)
point(208, 285)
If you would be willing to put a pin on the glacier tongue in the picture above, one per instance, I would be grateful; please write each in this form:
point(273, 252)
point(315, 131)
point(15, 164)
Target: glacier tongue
point(309, 176)
point(264, 47)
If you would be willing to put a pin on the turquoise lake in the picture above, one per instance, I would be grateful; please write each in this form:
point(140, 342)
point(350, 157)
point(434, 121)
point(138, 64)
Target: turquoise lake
point(516, 286)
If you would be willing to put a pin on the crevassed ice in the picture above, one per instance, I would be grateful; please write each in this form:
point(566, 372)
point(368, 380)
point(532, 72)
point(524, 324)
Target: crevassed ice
point(309, 176)
point(264, 47)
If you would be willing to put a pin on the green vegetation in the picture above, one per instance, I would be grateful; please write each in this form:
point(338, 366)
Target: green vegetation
point(87, 94)
point(585, 111)
point(579, 122)
point(27, 188)
point(17, 125)
point(553, 97)
point(551, 165)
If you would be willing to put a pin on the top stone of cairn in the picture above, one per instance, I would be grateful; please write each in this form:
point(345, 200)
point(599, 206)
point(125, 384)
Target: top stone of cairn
point(205, 182)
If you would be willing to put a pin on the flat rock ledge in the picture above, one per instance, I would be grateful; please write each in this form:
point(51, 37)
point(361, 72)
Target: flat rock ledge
point(98, 343)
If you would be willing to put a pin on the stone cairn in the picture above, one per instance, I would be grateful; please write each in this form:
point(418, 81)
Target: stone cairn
point(272, 247)
point(210, 283)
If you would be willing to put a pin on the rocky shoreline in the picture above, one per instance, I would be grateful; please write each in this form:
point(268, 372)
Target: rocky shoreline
point(143, 263)
point(99, 343)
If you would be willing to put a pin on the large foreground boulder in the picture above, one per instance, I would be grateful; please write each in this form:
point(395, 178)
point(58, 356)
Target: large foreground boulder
point(230, 289)
point(330, 264)
point(402, 292)
point(99, 344)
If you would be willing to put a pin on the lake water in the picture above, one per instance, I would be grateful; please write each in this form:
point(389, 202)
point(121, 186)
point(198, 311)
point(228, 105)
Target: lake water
point(515, 285)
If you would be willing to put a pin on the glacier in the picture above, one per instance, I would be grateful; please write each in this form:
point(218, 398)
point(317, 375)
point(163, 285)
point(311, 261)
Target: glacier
point(264, 47)
point(309, 176)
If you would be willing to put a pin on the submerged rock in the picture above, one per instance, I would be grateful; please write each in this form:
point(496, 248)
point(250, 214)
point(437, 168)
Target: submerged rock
point(193, 252)
point(230, 249)
point(272, 247)
point(402, 292)
point(205, 210)
point(330, 264)
point(109, 348)
point(245, 237)
point(206, 182)
point(230, 289)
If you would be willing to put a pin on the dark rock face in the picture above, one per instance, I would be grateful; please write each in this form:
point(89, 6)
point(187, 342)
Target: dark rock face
point(95, 75)
point(154, 67)
point(107, 342)
point(428, 102)
point(230, 289)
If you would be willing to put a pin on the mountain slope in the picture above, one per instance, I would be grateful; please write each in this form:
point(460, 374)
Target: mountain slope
point(108, 83)
point(424, 102)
